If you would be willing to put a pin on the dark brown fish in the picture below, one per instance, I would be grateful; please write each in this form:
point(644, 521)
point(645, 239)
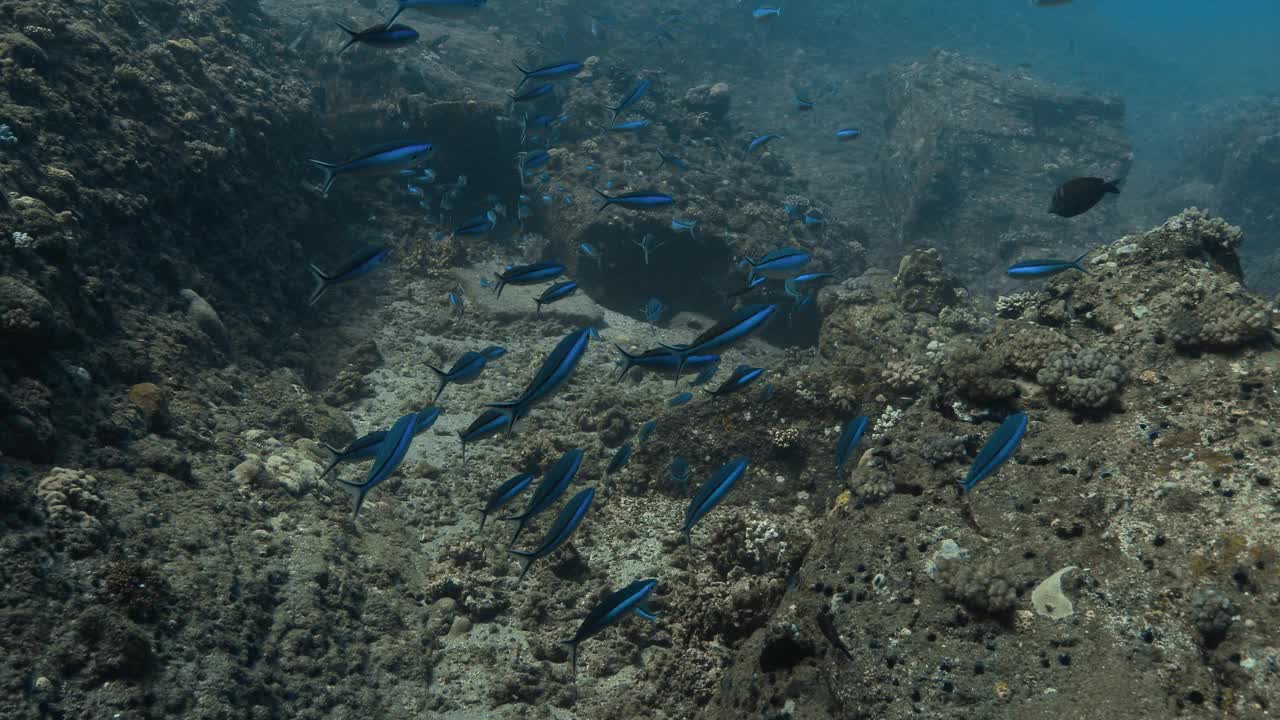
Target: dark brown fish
point(1075, 197)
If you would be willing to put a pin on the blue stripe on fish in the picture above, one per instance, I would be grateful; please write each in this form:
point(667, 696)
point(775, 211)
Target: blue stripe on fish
point(391, 452)
point(559, 532)
point(489, 423)
point(358, 265)
point(631, 98)
point(554, 372)
point(554, 481)
point(505, 493)
point(1038, 268)
point(735, 328)
point(555, 293)
point(553, 70)
point(528, 275)
point(712, 492)
point(1001, 446)
point(613, 608)
point(642, 200)
point(381, 159)
point(742, 376)
point(848, 440)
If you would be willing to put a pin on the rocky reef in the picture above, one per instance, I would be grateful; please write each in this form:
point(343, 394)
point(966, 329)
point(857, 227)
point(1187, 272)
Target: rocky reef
point(169, 547)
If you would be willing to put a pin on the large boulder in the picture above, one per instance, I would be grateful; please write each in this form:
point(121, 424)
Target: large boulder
point(973, 154)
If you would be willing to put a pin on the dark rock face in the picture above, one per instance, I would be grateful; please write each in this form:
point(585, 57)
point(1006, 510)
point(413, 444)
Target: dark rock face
point(974, 154)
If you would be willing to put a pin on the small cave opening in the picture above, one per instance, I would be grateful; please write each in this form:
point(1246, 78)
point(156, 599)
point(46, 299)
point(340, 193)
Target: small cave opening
point(784, 653)
point(688, 274)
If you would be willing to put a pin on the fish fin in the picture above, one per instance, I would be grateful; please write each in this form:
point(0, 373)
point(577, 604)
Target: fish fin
point(335, 456)
point(538, 312)
point(1076, 263)
point(322, 284)
point(330, 172)
point(1113, 186)
point(646, 613)
point(396, 14)
point(484, 517)
point(607, 200)
point(355, 37)
point(526, 561)
point(497, 289)
point(526, 74)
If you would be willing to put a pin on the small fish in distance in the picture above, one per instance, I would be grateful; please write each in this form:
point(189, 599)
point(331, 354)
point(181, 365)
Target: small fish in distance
point(778, 263)
point(569, 67)
point(630, 99)
point(653, 309)
point(465, 370)
point(533, 93)
point(672, 160)
point(679, 472)
point(1038, 268)
point(689, 226)
point(630, 125)
point(759, 142)
point(379, 36)
point(1078, 196)
point(534, 274)
point(680, 399)
point(802, 104)
point(640, 200)
point(357, 266)
point(847, 134)
point(766, 13)
point(555, 293)
point(742, 376)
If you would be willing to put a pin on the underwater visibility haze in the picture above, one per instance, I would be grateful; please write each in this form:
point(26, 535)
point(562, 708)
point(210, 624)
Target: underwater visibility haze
point(518, 359)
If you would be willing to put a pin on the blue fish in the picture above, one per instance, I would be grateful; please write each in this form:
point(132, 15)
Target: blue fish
point(766, 393)
point(541, 121)
point(358, 265)
point(691, 226)
point(391, 452)
point(631, 98)
point(493, 352)
point(742, 376)
point(797, 287)
point(478, 225)
point(653, 309)
point(802, 104)
point(759, 142)
point(489, 423)
point(680, 399)
point(618, 462)
point(642, 200)
point(648, 244)
point(794, 212)
point(645, 431)
point(778, 263)
point(554, 372)
point(590, 251)
point(366, 446)
point(534, 274)
point(533, 160)
point(379, 36)
point(533, 93)
point(546, 71)
point(672, 160)
point(848, 440)
point(752, 284)
point(814, 217)
point(661, 359)
point(555, 293)
point(679, 472)
point(505, 493)
point(712, 492)
point(568, 521)
point(630, 125)
point(1032, 269)
point(1001, 446)
point(766, 13)
point(465, 370)
point(630, 599)
point(848, 134)
point(706, 374)
point(554, 481)
point(380, 160)
point(438, 8)
point(731, 330)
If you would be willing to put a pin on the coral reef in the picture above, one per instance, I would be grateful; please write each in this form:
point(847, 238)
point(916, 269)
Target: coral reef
point(981, 585)
point(1085, 380)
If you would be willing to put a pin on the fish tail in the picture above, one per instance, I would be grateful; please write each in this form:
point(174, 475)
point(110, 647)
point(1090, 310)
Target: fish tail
point(483, 517)
point(628, 362)
point(1113, 186)
point(322, 284)
point(352, 41)
point(607, 200)
point(497, 289)
point(443, 381)
point(538, 312)
point(394, 15)
point(662, 159)
point(526, 561)
point(1076, 263)
point(526, 74)
point(573, 655)
point(334, 455)
point(330, 171)
point(358, 492)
